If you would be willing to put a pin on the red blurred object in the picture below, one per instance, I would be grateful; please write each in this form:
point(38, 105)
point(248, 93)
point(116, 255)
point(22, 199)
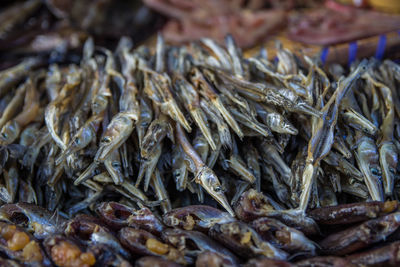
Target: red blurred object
point(247, 28)
point(249, 22)
point(337, 23)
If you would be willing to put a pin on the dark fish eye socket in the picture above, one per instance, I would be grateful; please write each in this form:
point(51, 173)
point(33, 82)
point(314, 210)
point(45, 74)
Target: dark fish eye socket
point(217, 189)
point(375, 171)
point(106, 140)
point(115, 165)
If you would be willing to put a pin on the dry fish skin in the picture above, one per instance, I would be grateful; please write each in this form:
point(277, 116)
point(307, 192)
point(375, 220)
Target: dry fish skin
point(204, 175)
point(286, 149)
point(11, 76)
point(106, 257)
point(282, 236)
point(253, 205)
point(388, 153)
point(200, 86)
point(267, 262)
point(212, 259)
point(197, 217)
point(388, 159)
point(91, 231)
point(119, 129)
point(39, 221)
point(368, 159)
point(117, 132)
point(325, 261)
point(83, 137)
point(161, 193)
point(358, 237)
point(322, 140)
point(117, 215)
point(386, 255)
point(180, 238)
point(140, 242)
point(353, 212)
point(12, 129)
point(155, 261)
point(245, 241)
point(190, 98)
point(8, 262)
point(209, 93)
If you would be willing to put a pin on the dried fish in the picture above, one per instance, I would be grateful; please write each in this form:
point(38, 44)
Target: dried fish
point(198, 155)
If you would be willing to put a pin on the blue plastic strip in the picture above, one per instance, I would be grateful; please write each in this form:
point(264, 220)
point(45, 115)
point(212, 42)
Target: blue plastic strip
point(324, 54)
point(352, 52)
point(380, 49)
point(276, 59)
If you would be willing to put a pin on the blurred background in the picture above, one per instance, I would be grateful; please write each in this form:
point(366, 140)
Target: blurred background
point(340, 31)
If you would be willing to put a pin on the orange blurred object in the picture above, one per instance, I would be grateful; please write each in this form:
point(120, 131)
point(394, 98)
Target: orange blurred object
point(390, 6)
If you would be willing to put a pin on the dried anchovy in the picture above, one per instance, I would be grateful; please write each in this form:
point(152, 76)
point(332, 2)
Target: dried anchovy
point(130, 124)
point(150, 133)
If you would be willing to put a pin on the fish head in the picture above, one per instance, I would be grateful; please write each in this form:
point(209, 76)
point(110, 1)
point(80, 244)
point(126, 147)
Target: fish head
point(209, 181)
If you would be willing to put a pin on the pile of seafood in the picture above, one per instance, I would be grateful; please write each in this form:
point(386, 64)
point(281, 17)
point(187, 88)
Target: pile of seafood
point(176, 132)
point(357, 234)
point(56, 26)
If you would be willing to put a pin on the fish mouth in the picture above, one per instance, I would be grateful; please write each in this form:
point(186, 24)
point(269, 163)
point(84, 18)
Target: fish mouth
point(102, 153)
point(221, 199)
point(374, 184)
point(388, 161)
point(289, 129)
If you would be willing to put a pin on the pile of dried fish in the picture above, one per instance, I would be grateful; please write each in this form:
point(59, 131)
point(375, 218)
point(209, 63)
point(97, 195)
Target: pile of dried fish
point(202, 236)
point(180, 126)
point(54, 27)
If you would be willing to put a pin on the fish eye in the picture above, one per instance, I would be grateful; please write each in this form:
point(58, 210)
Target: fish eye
point(106, 140)
point(77, 140)
point(115, 164)
point(392, 170)
point(4, 135)
point(375, 171)
point(217, 189)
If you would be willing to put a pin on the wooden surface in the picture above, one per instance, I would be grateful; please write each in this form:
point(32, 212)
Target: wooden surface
point(337, 53)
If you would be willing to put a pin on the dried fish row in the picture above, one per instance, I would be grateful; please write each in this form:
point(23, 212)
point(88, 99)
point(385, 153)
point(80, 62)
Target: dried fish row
point(139, 126)
point(120, 235)
point(156, 131)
